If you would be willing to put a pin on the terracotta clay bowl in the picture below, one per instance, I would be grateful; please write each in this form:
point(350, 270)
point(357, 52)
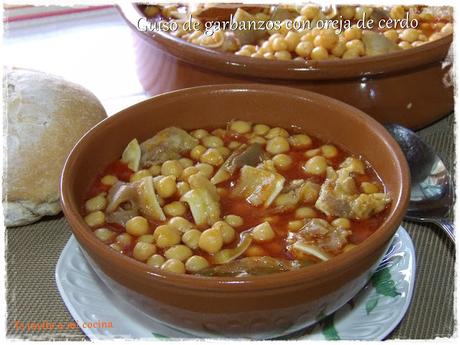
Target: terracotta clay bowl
point(411, 87)
point(263, 306)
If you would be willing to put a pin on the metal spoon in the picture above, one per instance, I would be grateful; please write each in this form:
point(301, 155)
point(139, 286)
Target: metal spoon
point(431, 194)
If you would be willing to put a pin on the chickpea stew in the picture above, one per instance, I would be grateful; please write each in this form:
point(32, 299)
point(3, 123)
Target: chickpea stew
point(245, 199)
point(298, 35)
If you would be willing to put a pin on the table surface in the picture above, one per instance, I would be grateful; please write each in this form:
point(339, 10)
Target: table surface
point(32, 251)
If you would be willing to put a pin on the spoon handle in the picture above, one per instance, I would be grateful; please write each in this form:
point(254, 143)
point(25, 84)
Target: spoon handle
point(447, 226)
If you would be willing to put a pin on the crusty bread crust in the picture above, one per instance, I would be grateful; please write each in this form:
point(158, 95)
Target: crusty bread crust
point(46, 116)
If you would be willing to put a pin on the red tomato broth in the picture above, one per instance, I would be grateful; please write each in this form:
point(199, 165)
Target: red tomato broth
point(251, 215)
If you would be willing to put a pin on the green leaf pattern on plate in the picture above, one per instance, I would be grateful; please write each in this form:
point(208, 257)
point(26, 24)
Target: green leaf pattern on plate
point(328, 328)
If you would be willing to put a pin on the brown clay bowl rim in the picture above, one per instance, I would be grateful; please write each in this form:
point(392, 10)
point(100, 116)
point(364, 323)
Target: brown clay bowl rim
point(310, 70)
point(312, 274)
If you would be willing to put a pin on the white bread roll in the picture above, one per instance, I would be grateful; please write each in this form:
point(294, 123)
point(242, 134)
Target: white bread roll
point(46, 116)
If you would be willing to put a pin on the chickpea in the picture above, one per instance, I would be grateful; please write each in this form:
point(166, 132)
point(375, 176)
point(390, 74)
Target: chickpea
point(347, 12)
point(329, 151)
point(404, 45)
point(206, 169)
point(211, 240)
point(295, 225)
point(304, 48)
point(433, 37)
point(392, 35)
point(191, 238)
point(96, 203)
point(319, 53)
point(212, 141)
point(305, 212)
point(124, 240)
point(397, 12)
point(225, 152)
point(307, 37)
point(182, 188)
point(171, 167)
point(422, 38)
point(255, 250)
point(409, 35)
point(234, 220)
point(199, 133)
point(240, 127)
point(417, 43)
point(185, 162)
point(96, 218)
point(369, 188)
point(137, 226)
point(310, 11)
point(300, 141)
point(263, 232)
point(180, 224)
point(257, 140)
point(249, 47)
point(228, 233)
point(353, 33)
point(283, 55)
point(174, 266)
point(355, 45)
point(105, 235)
point(196, 263)
point(212, 156)
point(339, 49)
point(326, 39)
point(312, 153)
point(175, 208)
point(138, 175)
point(260, 129)
point(142, 251)
point(109, 180)
point(197, 151)
point(148, 238)
point(166, 186)
point(341, 223)
point(187, 172)
point(292, 39)
point(350, 54)
point(316, 165)
point(265, 48)
point(243, 52)
point(155, 170)
point(233, 145)
point(179, 252)
point(277, 145)
point(363, 12)
point(279, 44)
point(156, 261)
point(166, 236)
point(282, 161)
point(277, 132)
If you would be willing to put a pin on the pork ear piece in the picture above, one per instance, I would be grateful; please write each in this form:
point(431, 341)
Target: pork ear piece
point(140, 194)
point(167, 144)
point(377, 44)
point(203, 200)
point(132, 155)
point(245, 155)
point(247, 36)
point(258, 186)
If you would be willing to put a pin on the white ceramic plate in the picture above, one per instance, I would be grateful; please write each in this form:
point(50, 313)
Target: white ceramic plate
point(371, 315)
